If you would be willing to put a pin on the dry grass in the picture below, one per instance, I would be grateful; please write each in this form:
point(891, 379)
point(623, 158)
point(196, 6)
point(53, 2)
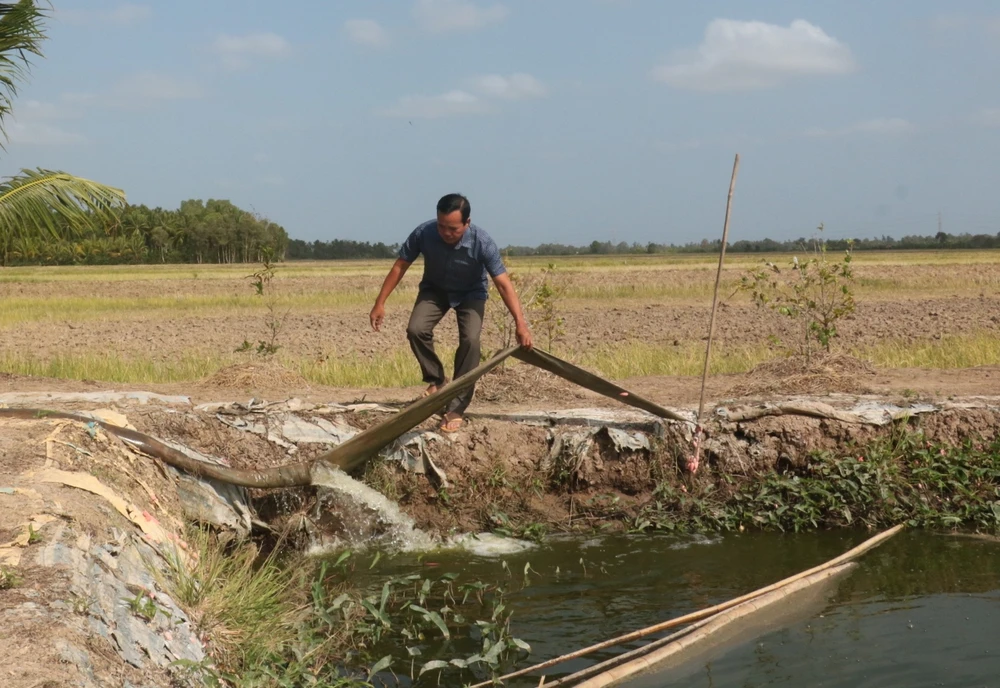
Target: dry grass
point(638, 359)
point(79, 294)
point(157, 296)
point(398, 368)
point(954, 351)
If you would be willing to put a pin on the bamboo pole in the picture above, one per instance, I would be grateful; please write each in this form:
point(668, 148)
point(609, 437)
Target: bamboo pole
point(638, 652)
point(718, 280)
point(699, 431)
point(849, 555)
point(666, 650)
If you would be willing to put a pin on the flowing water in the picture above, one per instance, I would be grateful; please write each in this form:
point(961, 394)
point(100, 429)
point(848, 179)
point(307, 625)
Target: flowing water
point(370, 515)
point(921, 610)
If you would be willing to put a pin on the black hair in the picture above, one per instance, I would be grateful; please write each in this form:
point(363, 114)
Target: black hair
point(453, 202)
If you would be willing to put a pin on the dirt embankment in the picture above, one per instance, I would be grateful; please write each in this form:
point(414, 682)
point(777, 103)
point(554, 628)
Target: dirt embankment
point(87, 529)
point(87, 526)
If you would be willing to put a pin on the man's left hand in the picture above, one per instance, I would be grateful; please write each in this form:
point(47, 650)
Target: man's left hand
point(523, 335)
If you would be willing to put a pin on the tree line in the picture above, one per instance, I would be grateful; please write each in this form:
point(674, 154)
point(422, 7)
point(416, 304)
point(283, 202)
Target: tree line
point(341, 249)
point(213, 231)
point(217, 231)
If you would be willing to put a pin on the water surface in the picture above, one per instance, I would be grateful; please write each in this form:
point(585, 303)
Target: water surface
point(920, 610)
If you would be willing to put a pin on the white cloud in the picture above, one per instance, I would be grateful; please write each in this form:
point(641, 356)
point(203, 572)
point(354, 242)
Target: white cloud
point(883, 126)
point(125, 14)
point(450, 104)
point(366, 32)
point(513, 87)
point(146, 88)
point(33, 123)
point(238, 52)
point(78, 98)
point(745, 55)
point(439, 16)
point(40, 133)
point(35, 109)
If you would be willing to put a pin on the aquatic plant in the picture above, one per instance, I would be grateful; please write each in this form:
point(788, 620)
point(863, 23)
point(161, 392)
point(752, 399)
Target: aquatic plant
point(900, 479)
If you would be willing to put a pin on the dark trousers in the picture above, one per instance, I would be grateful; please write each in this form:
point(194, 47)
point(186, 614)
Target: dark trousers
point(427, 313)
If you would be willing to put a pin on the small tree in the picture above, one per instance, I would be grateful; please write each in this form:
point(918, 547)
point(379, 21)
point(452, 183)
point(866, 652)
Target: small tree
point(544, 314)
point(540, 295)
point(817, 293)
point(261, 281)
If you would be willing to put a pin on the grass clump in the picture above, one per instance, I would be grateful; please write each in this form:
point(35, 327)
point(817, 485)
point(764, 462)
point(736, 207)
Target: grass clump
point(9, 578)
point(951, 351)
point(244, 603)
point(283, 623)
point(903, 479)
point(639, 359)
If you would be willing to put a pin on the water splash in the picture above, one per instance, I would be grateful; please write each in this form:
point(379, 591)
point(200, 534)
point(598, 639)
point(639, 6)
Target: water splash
point(364, 516)
point(487, 544)
point(353, 515)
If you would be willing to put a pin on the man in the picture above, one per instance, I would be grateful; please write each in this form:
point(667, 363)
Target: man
point(457, 257)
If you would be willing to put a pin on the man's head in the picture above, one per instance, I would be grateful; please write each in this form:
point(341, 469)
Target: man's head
point(453, 213)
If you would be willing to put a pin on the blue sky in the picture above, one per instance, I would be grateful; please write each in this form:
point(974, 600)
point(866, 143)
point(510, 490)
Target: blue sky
point(562, 120)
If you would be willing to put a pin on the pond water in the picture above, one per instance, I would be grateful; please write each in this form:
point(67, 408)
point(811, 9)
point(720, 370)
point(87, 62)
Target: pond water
point(922, 609)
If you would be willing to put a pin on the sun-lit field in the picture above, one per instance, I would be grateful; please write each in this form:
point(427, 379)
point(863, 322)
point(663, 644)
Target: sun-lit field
point(625, 316)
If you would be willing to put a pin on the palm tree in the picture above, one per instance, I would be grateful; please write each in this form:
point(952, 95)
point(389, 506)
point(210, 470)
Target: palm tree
point(39, 204)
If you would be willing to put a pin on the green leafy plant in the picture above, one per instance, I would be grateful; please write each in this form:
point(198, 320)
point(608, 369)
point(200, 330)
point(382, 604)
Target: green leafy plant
point(816, 292)
point(143, 606)
point(544, 310)
point(903, 478)
point(262, 281)
point(541, 296)
point(40, 204)
point(9, 578)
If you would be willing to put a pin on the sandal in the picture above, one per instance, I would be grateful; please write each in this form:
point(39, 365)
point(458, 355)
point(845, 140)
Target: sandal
point(451, 423)
point(437, 388)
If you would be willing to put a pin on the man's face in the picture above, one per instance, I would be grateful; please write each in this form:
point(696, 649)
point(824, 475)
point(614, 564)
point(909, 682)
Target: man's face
point(451, 228)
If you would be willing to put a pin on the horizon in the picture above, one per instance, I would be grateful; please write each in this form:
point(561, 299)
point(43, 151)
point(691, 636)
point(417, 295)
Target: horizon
point(350, 121)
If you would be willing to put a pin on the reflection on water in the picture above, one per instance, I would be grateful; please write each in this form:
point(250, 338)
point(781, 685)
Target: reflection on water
point(921, 610)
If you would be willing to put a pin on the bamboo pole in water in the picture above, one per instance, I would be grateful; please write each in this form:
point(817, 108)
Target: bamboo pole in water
point(849, 555)
point(660, 651)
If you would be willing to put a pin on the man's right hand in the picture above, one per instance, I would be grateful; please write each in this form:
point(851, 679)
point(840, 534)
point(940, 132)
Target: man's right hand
point(377, 316)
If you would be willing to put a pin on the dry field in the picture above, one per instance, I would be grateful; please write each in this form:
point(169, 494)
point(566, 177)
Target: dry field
point(637, 318)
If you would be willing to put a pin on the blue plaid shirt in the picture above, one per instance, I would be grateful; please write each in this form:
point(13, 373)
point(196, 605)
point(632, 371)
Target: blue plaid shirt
point(457, 271)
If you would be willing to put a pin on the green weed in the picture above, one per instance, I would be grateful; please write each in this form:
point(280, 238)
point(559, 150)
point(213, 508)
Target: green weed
point(9, 578)
point(903, 479)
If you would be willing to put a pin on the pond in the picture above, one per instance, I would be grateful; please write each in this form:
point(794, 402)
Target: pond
point(923, 609)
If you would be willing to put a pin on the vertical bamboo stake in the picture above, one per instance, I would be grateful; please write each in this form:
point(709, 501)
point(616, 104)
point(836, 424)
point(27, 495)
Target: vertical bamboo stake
point(693, 465)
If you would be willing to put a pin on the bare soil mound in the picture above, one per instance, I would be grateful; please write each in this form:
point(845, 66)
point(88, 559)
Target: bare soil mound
point(818, 374)
point(257, 375)
point(517, 383)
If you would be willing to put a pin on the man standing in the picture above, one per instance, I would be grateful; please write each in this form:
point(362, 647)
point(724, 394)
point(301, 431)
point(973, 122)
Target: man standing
point(457, 257)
